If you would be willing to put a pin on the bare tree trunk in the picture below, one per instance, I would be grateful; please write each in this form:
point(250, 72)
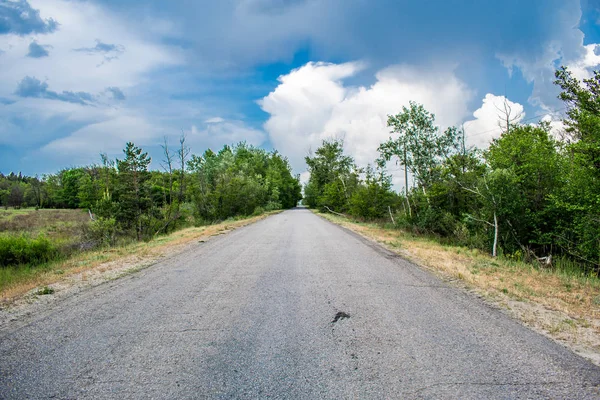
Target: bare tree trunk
point(406, 183)
point(496, 231)
point(168, 167)
point(391, 215)
point(344, 185)
point(183, 152)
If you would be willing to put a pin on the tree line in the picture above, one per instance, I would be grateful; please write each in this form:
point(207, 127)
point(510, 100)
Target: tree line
point(126, 198)
point(529, 195)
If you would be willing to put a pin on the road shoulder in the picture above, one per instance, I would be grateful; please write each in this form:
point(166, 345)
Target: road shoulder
point(576, 328)
point(92, 269)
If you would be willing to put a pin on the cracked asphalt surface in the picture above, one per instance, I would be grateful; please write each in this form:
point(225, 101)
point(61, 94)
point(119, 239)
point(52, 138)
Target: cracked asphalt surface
point(251, 315)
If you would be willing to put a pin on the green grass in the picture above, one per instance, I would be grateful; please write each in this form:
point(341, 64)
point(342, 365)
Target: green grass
point(26, 250)
point(10, 276)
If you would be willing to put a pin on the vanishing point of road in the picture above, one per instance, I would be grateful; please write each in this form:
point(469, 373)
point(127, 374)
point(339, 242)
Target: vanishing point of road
point(291, 307)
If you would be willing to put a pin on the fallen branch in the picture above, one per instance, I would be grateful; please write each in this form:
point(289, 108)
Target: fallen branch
point(545, 262)
point(336, 213)
point(169, 221)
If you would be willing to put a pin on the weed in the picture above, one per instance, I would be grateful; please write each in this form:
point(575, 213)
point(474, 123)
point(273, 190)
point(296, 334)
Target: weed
point(568, 286)
point(45, 290)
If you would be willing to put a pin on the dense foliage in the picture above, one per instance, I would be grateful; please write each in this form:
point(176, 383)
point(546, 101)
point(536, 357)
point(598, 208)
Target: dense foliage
point(529, 195)
point(126, 198)
point(22, 249)
point(337, 184)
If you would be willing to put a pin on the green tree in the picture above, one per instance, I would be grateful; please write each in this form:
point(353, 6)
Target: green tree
point(133, 193)
point(373, 198)
point(420, 146)
point(69, 182)
point(579, 201)
point(333, 176)
point(530, 155)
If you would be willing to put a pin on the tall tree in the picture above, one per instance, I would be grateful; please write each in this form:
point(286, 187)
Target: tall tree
point(133, 191)
point(579, 202)
point(419, 146)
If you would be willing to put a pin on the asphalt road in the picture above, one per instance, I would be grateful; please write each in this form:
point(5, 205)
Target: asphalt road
point(251, 315)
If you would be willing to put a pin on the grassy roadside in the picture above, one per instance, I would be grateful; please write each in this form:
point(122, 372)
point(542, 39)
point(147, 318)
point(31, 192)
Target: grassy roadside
point(109, 263)
point(563, 304)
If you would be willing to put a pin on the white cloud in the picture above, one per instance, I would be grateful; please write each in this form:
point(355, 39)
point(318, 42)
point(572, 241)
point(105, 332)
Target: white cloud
point(216, 134)
point(304, 177)
point(486, 126)
point(125, 58)
point(313, 103)
point(489, 120)
point(557, 127)
point(82, 25)
point(214, 120)
point(563, 46)
point(582, 68)
point(107, 136)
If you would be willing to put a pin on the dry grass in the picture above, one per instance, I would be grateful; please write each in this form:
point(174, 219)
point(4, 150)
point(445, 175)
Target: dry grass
point(60, 226)
point(563, 305)
point(99, 264)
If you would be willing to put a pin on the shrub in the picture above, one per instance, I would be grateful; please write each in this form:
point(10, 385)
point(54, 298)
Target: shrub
point(272, 206)
point(102, 231)
point(258, 211)
point(23, 249)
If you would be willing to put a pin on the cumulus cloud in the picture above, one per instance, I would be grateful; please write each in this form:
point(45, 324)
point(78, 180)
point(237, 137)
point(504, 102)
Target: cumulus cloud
point(33, 87)
point(582, 67)
point(116, 93)
point(557, 127)
point(38, 50)
point(313, 103)
point(489, 120)
point(562, 45)
point(18, 17)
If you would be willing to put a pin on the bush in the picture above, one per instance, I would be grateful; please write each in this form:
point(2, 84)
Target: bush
point(23, 249)
point(272, 206)
point(258, 211)
point(102, 231)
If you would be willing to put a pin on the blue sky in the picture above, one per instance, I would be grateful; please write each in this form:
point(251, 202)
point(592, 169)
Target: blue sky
point(84, 77)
